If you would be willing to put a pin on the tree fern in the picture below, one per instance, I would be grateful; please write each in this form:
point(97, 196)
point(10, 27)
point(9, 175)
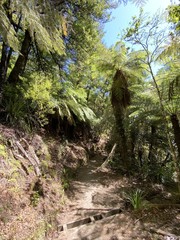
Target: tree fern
point(169, 75)
point(170, 51)
point(125, 69)
point(169, 80)
point(73, 103)
point(7, 31)
point(43, 22)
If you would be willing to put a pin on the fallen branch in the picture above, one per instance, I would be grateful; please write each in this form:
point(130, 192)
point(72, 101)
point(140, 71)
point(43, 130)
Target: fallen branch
point(32, 161)
point(108, 159)
point(164, 205)
point(163, 233)
point(95, 209)
point(31, 151)
point(24, 168)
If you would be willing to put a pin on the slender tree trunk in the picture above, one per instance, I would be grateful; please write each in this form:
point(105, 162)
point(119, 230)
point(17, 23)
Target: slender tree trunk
point(140, 155)
point(172, 148)
point(132, 144)
point(5, 57)
point(21, 60)
point(152, 143)
point(176, 128)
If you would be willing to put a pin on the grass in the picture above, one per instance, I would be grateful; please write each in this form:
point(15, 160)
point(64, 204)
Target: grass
point(136, 198)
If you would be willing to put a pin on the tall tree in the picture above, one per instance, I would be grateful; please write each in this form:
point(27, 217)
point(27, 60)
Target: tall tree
point(51, 34)
point(169, 78)
point(150, 36)
point(125, 68)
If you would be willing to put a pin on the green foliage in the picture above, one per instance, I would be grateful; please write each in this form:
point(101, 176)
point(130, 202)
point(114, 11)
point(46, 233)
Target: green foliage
point(167, 173)
point(169, 77)
point(35, 198)
point(170, 87)
point(62, 37)
point(72, 102)
point(46, 33)
point(7, 31)
point(124, 69)
point(66, 177)
point(136, 198)
point(3, 152)
point(137, 2)
point(15, 106)
point(40, 95)
point(71, 76)
point(38, 92)
point(150, 35)
point(174, 16)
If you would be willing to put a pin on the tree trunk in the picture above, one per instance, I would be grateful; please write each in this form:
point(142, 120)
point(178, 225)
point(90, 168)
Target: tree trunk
point(122, 139)
point(140, 155)
point(152, 143)
point(132, 143)
point(21, 60)
point(120, 100)
point(176, 128)
point(170, 142)
point(5, 57)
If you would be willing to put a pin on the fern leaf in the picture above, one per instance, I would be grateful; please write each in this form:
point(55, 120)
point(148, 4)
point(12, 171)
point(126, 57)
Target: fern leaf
point(7, 31)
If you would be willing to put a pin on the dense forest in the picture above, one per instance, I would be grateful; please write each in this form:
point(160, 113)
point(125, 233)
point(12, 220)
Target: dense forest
point(58, 79)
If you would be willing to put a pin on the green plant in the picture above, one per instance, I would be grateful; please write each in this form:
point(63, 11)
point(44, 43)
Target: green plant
point(67, 175)
point(65, 180)
point(136, 198)
point(65, 183)
point(3, 152)
point(35, 198)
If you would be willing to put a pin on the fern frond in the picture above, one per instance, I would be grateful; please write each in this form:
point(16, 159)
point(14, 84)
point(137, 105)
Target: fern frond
point(136, 2)
point(7, 31)
point(139, 2)
point(45, 28)
point(170, 52)
point(88, 114)
point(73, 104)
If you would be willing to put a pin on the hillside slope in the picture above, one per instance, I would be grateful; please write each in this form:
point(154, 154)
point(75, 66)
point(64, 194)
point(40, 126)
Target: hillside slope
point(34, 172)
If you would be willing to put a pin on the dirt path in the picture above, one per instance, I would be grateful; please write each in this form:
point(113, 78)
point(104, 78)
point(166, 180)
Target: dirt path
point(93, 193)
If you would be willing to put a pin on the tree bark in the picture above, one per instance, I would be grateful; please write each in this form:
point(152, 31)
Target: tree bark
point(122, 139)
point(132, 143)
point(21, 60)
point(5, 57)
point(152, 143)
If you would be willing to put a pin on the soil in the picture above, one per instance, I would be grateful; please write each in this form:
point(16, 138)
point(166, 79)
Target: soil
point(94, 192)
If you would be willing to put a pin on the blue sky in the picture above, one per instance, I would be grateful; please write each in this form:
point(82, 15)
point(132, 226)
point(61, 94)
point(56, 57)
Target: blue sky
point(123, 15)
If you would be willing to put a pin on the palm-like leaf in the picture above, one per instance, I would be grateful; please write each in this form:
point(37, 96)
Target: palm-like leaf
point(169, 76)
point(125, 68)
point(45, 28)
point(72, 103)
point(7, 31)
